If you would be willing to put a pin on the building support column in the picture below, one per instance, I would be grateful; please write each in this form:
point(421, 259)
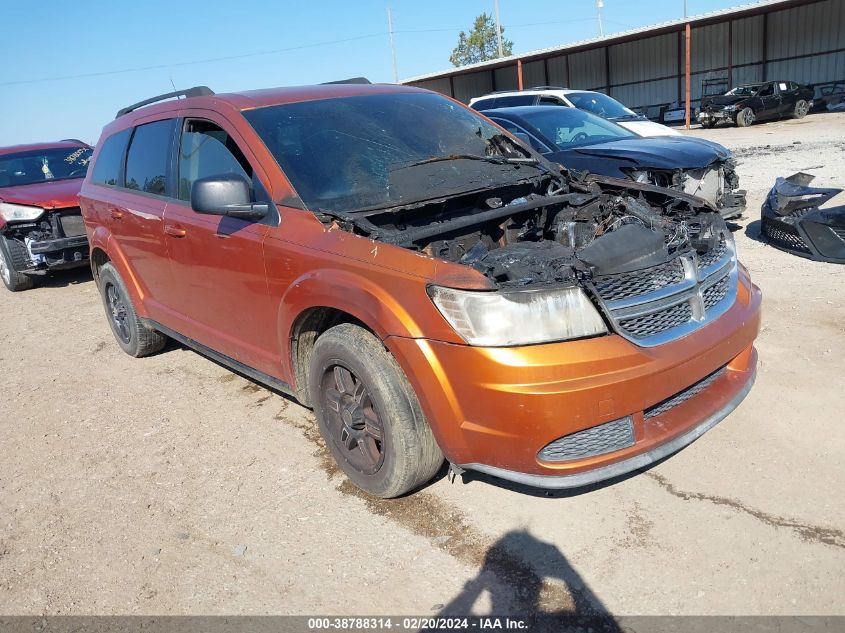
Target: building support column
point(519, 74)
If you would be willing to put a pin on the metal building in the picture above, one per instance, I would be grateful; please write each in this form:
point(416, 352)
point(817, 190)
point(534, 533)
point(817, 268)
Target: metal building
point(798, 40)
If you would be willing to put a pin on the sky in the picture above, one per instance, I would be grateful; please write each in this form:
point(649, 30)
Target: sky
point(71, 65)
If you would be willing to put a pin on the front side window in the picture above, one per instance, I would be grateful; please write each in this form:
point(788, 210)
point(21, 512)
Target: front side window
point(767, 91)
point(381, 150)
point(146, 162)
point(44, 165)
point(110, 159)
point(514, 100)
point(207, 150)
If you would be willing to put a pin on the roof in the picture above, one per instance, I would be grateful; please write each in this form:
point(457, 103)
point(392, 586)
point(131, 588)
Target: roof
point(742, 10)
point(33, 147)
point(536, 89)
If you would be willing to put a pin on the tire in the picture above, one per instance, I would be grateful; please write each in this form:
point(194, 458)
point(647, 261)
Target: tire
point(745, 117)
point(801, 109)
point(13, 257)
point(708, 124)
point(360, 394)
point(134, 337)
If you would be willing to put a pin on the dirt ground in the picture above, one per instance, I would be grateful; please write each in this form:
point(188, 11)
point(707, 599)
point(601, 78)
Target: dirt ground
point(170, 485)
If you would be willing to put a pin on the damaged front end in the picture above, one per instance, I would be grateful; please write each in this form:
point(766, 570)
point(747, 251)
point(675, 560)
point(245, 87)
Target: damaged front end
point(570, 257)
point(792, 220)
point(717, 183)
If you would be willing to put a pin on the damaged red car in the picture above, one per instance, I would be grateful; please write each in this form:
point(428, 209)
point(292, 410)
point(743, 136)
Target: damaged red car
point(41, 226)
point(427, 284)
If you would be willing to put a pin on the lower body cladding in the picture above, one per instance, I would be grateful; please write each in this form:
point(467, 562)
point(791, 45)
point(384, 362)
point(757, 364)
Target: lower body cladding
point(569, 414)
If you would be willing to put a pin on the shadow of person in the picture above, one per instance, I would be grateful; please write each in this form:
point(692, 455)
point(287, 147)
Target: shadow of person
point(516, 575)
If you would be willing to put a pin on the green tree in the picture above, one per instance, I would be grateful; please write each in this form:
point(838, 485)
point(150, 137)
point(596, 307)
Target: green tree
point(480, 45)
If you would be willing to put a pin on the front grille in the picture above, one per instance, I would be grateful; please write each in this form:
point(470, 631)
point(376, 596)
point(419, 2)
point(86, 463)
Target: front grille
point(715, 293)
point(622, 286)
point(604, 438)
point(659, 304)
point(657, 322)
point(72, 223)
point(683, 396)
point(783, 235)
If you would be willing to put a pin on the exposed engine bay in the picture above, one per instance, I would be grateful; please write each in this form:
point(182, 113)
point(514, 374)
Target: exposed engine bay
point(549, 229)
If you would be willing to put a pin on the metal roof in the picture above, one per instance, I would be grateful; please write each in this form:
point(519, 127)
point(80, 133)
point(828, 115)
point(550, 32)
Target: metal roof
point(673, 25)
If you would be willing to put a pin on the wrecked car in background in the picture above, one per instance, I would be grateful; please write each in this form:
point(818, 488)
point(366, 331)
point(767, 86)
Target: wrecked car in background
point(793, 221)
point(584, 142)
point(41, 226)
point(440, 291)
point(756, 102)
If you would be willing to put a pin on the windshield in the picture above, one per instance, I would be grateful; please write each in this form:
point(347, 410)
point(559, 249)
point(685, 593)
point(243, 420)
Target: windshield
point(744, 91)
point(44, 165)
point(354, 153)
point(568, 127)
point(601, 104)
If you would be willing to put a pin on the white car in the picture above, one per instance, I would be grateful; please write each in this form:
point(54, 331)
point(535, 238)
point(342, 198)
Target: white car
point(594, 102)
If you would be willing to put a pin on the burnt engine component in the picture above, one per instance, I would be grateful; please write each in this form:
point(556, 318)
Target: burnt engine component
point(793, 221)
point(630, 247)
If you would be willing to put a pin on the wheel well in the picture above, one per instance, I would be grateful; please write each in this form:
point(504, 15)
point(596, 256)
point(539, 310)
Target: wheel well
point(308, 327)
point(98, 258)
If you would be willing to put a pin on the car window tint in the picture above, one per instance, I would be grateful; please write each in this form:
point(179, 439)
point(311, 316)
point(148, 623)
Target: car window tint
point(110, 159)
point(146, 163)
point(514, 100)
point(550, 101)
point(483, 104)
point(767, 90)
point(207, 150)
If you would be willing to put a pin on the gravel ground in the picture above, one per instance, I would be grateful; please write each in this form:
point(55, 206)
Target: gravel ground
point(169, 485)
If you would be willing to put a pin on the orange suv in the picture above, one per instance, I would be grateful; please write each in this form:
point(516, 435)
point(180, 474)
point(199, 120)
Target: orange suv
point(427, 284)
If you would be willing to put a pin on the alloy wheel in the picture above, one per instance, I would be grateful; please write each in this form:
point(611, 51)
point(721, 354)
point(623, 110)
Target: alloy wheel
point(803, 108)
point(353, 424)
point(748, 117)
point(117, 309)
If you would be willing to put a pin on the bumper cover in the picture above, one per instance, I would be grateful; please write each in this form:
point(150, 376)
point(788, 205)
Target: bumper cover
point(792, 221)
point(63, 252)
point(495, 409)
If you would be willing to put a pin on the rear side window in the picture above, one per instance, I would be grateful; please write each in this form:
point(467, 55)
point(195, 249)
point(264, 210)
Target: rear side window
point(514, 100)
point(207, 150)
point(146, 163)
point(551, 101)
point(110, 159)
point(482, 104)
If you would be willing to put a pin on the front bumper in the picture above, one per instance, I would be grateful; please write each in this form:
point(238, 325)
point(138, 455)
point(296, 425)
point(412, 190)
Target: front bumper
point(717, 115)
point(63, 252)
point(495, 409)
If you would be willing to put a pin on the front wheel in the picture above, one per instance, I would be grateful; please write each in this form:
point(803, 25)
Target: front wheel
point(708, 123)
point(13, 256)
point(801, 109)
point(369, 415)
point(135, 338)
point(745, 117)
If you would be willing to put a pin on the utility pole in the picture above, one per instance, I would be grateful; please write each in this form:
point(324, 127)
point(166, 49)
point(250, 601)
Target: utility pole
point(599, 5)
point(392, 45)
point(498, 28)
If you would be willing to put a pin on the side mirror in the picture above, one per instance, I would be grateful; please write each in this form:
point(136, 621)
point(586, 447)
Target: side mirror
point(227, 194)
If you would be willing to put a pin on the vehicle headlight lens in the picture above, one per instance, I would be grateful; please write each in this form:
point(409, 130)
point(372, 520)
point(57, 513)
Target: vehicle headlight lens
point(522, 317)
point(19, 212)
point(732, 106)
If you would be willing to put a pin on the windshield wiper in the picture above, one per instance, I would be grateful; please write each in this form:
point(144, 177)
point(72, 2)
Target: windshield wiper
point(496, 160)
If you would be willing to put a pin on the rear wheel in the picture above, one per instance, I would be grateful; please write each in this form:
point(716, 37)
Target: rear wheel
point(132, 335)
point(801, 109)
point(13, 257)
point(369, 415)
point(745, 117)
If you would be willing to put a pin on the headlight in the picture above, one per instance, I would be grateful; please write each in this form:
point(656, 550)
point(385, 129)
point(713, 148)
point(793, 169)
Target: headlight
point(19, 212)
point(732, 106)
point(520, 317)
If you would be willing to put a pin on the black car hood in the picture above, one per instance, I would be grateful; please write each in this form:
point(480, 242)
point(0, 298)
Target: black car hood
point(667, 152)
point(723, 100)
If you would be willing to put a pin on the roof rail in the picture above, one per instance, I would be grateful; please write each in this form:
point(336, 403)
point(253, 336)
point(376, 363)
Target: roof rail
point(196, 91)
point(73, 140)
point(352, 80)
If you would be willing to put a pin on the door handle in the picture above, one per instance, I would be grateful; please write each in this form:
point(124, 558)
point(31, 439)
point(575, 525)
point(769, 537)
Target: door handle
point(175, 231)
point(117, 214)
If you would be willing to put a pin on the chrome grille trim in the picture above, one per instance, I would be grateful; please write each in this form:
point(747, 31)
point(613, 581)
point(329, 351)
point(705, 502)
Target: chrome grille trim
point(655, 317)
